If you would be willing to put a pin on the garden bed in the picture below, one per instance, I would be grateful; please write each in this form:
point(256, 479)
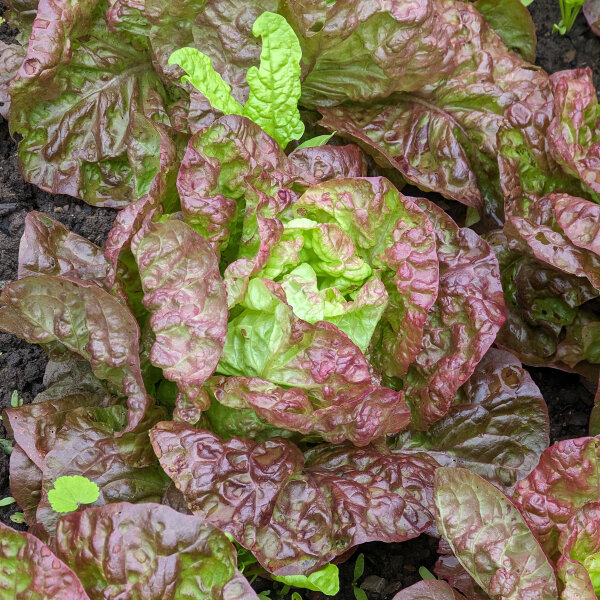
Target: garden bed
point(388, 567)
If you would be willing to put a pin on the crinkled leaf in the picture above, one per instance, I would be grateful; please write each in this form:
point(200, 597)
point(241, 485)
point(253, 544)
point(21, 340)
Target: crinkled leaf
point(566, 478)
point(575, 580)
point(490, 538)
point(533, 220)
point(579, 219)
point(429, 589)
point(463, 322)
point(72, 99)
point(574, 133)
point(496, 427)
point(185, 293)
point(35, 426)
point(350, 48)
point(124, 468)
point(30, 569)
point(388, 131)
point(219, 165)
point(580, 543)
point(275, 84)
point(11, 57)
point(158, 153)
point(357, 318)
point(326, 580)
point(389, 232)
point(326, 247)
point(359, 413)
point(513, 23)
point(329, 162)
point(49, 248)
point(267, 498)
point(84, 319)
point(439, 137)
point(70, 491)
point(202, 75)
point(546, 324)
point(169, 555)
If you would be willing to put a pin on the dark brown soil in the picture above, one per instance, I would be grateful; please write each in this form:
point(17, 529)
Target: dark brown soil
point(388, 567)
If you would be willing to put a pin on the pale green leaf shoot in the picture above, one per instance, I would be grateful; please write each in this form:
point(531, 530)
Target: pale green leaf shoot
point(275, 86)
point(202, 75)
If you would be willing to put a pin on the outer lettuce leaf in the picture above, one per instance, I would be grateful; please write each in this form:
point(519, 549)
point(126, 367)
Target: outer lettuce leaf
point(31, 570)
point(392, 234)
point(11, 57)
point(84, 319)
point(566, 478)
point(350, 49)
point(35, 426)
point(533, 220)
point(513, 23)
point(429, 156)
point(453, 149)
point(490, 538)
point(579, 219)
point(124, 468)
point(220, 164)
point(49, 248)
point(546, 324)
point(186, 295)
point(168, 554)
point(25, 483)
point(579, 564)
point(428, 589)
point(76, 126)
point(267, 498)
point(591, 10)
point(496, 427)
point(574, 133)
point(463, 322)
point(359, 413)
point(158, 186)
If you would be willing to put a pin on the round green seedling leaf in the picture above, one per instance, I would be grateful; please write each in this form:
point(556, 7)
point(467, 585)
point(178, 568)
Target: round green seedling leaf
point(70, 491)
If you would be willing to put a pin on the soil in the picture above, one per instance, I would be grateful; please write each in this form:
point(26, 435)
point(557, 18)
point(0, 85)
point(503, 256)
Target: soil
point(388, 567)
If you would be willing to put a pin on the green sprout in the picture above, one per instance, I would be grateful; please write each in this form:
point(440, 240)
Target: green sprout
point(569, 9)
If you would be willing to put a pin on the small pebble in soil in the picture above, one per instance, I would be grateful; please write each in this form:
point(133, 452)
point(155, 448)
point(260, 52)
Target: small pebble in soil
point(374, 587)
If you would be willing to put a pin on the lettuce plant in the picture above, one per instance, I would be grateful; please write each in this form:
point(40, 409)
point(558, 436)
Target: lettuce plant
point(278, 355)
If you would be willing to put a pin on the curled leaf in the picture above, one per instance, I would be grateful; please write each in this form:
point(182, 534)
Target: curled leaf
point(185, 293)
